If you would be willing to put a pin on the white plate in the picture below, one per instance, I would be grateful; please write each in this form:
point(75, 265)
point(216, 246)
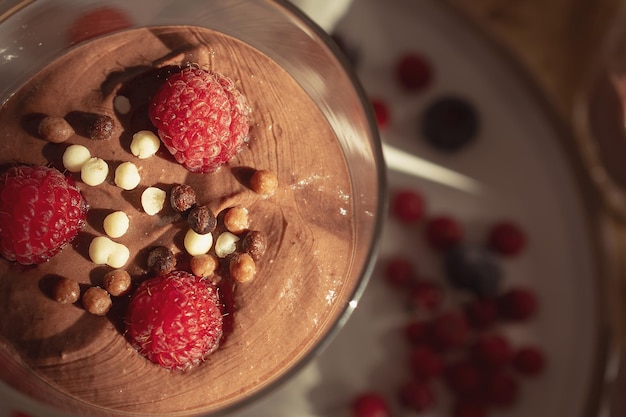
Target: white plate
point(520, 159)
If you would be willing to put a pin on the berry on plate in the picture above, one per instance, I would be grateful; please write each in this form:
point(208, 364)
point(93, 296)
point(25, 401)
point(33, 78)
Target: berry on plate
point(370, 404)
point(201, 118)
point(450, 123)
point(98, 22)
point(413, 72)
point(417, 395)
point(41, 210)
point(407, 206)
point(175, 320)
point(473, 268)
point(529, 360)
point(443, 232)
point(518, 304)
point(506, 238)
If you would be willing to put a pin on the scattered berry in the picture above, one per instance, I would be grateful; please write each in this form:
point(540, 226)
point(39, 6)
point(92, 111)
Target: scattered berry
point(443, 232)
point(381, 112)
point(464, 378)
point(507, 238)
point(426, 295)
point(529, 361)
point(66, 291)
point(407, 206)
point(417, 332)
point(40, 212)
point(226, 244)
point(75, 156)
point(450, 123)
point(492, 350)
point(175, 320)
point(55, 129)
point(127, 176)
point(104, 251)
point(94, 172)
point(203, 265)
point(98, 22)
point(414, 72)
point(236, 220)
point(482, 312)
point(254, 243)
point(417, 395)
point(473, 268)
point(425, 363)
point(153, 200)
point(370, 404)
point(96, 301)
point(197, 244)
point(469, 409)
point(144, 144)
point(449, 330)
point(501, 389)
point(202, 119)
point(399, 272)
point(116, 224)
point(517, 304)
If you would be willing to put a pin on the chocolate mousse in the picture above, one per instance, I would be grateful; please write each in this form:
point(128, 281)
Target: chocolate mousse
point(62, 354)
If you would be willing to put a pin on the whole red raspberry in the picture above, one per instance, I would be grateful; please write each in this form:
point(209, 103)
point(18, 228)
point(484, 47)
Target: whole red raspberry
point(41, 210)
point(399, 271)
point(175, 320)
point(201, 118)
point(370, 404)
point(426, 295)
point(417, 395)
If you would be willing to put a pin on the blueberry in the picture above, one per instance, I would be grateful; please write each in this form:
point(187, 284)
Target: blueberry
point(473, 268)
point(450, 123)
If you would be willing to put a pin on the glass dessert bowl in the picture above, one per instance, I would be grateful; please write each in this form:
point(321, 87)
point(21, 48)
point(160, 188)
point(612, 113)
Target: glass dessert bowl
point(309, 128)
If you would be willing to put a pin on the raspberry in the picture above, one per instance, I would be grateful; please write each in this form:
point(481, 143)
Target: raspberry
point(370, 404)
point(506, 238)
point(416, 332)
point(425, 363)
point(407, 206)
point(201, 118)
point(517, 304)
point(443, 232)
point(417, 395)
point(529, 361)
point(98, 22)
point(413, 72)
point(175, 320)
point(41, 211)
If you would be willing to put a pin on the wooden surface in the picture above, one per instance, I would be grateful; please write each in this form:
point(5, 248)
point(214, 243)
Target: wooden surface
point(560, 41)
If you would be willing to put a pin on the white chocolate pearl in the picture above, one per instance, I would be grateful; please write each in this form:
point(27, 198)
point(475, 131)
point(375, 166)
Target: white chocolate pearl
point(127, 176)
point(121, 104)
point(75, 157)
point(152, 200)
point(119, 256)
point(197, 244)
point(225, 244)
point(116, 224)
point(103, 251)
point(94, 171)
point(144, 144)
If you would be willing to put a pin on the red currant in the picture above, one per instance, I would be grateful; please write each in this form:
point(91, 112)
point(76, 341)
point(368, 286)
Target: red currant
point(449, 330)
point(482, 312)
point(442, 232)
point(506, 238)
point(501, 388)
point(464, 378)
point(426, 295)
point(399, 272)
point(416, 332)
point(425, 363)
point(492, 350)
point(414, 72)
point(408, 206)
point(517, 304)
point(381, 111)
point(469, 409)
point(370, 404)
point(417, 395)
point(529, 360)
